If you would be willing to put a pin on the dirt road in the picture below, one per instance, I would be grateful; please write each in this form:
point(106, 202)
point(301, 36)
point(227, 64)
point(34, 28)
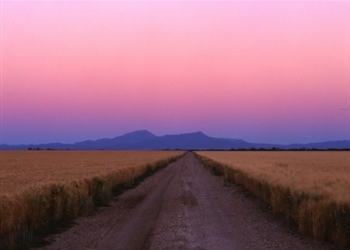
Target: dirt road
point(183, 206)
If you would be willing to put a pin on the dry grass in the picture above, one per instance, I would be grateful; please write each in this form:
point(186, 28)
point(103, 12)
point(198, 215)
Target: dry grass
point(38, 188)
point(311, 188)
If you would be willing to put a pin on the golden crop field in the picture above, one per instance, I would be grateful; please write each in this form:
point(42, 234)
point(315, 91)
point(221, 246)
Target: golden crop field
point(41, 187)
point(325, 174)
point(23, 170)
point(310, 188)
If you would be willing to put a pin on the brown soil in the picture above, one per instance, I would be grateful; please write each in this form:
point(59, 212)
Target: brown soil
point(183, 206)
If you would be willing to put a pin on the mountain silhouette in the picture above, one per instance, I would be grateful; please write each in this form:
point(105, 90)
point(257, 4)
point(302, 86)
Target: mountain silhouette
point(197, 140)
point(145, 140)
point(119, 142)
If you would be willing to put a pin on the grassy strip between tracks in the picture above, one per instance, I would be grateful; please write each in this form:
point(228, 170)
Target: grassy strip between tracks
point(314, 214)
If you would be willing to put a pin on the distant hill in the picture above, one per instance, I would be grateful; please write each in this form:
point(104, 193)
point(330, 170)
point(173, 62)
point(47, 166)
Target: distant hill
point(120, 142)
point(323, 145)
point(144, 140)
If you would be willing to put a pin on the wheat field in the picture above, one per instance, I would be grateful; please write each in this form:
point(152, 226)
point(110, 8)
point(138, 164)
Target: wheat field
point(319, 173)
point(312, 189)
point(38, 188)
point(23, 170)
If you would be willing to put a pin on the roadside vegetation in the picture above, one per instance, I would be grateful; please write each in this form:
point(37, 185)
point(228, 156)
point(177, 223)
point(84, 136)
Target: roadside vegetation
point(311, 189)
point(41, 188)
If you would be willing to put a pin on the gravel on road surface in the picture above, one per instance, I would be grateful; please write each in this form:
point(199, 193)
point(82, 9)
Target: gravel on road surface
point(183, 206)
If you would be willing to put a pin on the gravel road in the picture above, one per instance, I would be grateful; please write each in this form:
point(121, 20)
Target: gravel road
point(183, 206)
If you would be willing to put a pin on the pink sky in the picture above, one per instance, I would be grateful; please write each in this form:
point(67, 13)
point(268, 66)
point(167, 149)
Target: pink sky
point(260, 71)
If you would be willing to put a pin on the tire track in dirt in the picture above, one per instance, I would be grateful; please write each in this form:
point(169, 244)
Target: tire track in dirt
point(132, 234)
point(183, 206)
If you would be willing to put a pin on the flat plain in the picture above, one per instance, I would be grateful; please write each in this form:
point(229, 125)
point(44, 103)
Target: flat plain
point(38, 188)
point(320, 173)
point(24, 170)
point(183, 206)
point(312, 188)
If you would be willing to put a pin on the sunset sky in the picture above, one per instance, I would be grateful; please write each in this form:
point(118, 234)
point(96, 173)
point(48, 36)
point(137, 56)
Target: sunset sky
point(276, 72)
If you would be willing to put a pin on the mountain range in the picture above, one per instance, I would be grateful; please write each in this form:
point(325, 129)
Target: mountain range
point(144, 140)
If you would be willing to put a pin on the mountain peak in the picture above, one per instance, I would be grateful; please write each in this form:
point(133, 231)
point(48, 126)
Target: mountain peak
point(142, 132)
point(136, 136)
point(198, 133)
